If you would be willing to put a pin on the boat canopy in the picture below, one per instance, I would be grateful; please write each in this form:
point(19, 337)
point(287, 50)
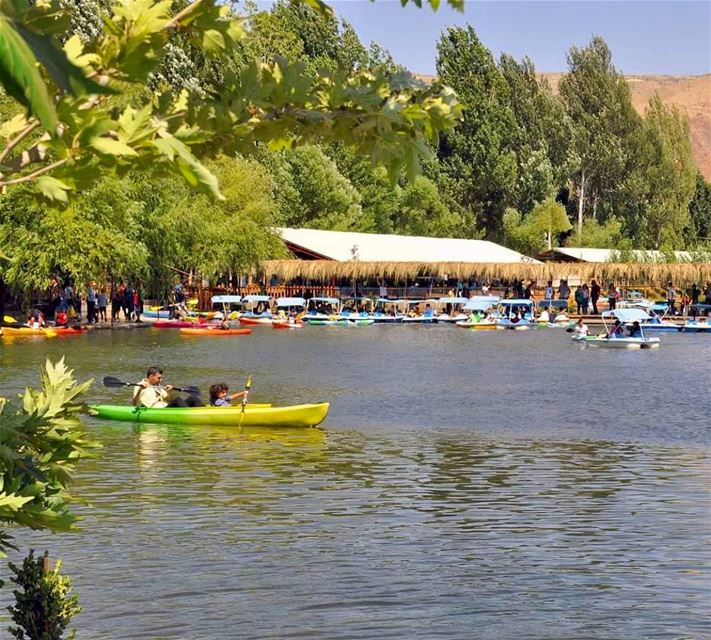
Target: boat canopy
point(255, 298)
point(290, 302)
point(479, 304)
point(328, 300)
point(452, 300)
point(226, 299)
point(390, 301)
point(627, 315)
point(553, 304)
point(517, 302)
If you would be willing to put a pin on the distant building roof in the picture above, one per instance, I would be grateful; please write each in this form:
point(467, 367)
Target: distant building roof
point(578, 254)
point(372, 247)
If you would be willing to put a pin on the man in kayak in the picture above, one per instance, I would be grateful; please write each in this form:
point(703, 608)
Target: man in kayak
point(149, 393)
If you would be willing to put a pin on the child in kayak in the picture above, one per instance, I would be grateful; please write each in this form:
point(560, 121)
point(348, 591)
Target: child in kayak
point(219, 396)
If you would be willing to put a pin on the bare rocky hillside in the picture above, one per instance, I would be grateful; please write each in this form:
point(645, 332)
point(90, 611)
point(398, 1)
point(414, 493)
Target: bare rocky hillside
point(691, 94)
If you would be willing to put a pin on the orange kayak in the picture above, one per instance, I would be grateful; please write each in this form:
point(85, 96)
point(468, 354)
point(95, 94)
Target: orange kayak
point(215, 332)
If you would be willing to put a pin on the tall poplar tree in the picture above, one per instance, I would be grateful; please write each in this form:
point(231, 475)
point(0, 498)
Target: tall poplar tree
point(541, 137)
point(478, 167)
point(671, 174)
point(597, 100)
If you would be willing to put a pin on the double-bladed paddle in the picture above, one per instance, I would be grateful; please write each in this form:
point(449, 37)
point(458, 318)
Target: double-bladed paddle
point(110, 381)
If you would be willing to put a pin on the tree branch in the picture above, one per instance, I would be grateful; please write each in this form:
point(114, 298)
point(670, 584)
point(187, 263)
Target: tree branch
point(35, 174)
point(36, 153)
point(175, 22)
point(20, 137)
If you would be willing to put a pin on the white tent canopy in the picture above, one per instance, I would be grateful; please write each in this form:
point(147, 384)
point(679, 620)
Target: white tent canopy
point(343, 246)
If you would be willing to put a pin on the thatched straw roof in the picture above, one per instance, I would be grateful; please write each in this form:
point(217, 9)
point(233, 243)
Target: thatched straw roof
point(633, 273)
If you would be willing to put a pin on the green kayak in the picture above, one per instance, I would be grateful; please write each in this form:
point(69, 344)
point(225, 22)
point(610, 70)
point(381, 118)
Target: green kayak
point(299, 415)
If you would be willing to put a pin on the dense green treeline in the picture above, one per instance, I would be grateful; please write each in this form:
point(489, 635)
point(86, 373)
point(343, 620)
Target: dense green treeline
point(623, 179)
point(525, 167)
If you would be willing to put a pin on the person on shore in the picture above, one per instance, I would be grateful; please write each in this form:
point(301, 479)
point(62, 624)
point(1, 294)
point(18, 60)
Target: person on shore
point(150, 393)
point(549, 290)
point(116, 302)
point(128, 303)
point(671, 298)
point(586, 298)
point(528, 291)
point(55, 295)
point(67, 302)
point(612, 296)
point(579, 301)
point(101, 302)
point(594, 296)
point(219, 396)
point(695, 293)
point(90, 302)
point(563, 290)
point(137, 301)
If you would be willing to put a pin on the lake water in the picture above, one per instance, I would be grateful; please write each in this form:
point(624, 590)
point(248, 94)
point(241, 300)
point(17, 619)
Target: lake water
point(464, 485)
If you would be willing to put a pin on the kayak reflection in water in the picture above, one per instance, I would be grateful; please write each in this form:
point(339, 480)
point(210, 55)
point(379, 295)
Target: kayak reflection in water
point(149, 393)
point(219, 396)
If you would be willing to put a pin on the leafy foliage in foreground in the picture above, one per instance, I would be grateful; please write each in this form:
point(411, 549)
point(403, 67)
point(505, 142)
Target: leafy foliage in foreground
point(87, 114)
point(41, 441)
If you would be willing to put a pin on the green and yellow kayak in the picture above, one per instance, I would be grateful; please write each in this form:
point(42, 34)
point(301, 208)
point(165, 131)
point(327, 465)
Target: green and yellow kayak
point(299, 415)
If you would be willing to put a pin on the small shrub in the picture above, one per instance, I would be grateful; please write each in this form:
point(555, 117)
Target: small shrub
point(44, 604)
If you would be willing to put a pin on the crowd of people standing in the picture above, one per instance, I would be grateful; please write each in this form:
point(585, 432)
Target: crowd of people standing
point(67, 303)
point(587, 297)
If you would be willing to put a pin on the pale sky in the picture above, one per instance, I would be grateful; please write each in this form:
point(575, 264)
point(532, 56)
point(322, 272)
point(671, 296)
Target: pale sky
point(646, 37)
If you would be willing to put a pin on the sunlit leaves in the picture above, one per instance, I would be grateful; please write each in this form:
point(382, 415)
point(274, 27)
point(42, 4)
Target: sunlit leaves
point(40, 443)
point(278, 103)
point(52, 188)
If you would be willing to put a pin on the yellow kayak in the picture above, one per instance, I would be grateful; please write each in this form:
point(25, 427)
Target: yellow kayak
point(28, 331)
point(299, 415)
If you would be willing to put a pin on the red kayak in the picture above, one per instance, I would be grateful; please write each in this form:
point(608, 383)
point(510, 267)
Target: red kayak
point(214, 331)
point(286, 325)
point(255, 320)
point(67, 331)
point(180, 324)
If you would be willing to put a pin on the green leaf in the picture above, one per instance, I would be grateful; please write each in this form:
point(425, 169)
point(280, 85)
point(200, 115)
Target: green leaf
point(74, 48)
point(13, 126)
point(20, 77)
point(52, 188)
point(66, 76)
point(111, 147)
point(133, 124)
point(213, 41)
point(13, 502)
point(194, 173)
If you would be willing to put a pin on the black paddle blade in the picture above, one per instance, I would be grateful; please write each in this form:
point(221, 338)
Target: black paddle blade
point(193, 391)
point(110, 381)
